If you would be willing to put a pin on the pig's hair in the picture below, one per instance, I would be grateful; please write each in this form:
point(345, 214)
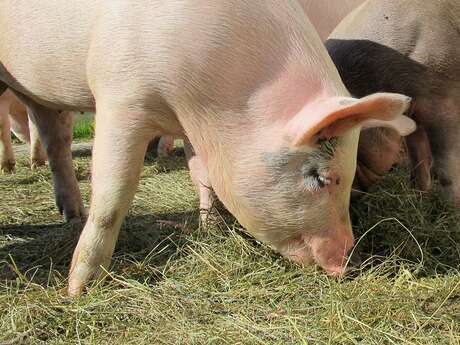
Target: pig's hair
point(327, 147)
point(317, 159)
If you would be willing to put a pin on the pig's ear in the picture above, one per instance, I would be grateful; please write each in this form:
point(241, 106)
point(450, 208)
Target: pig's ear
point(332, 117)
point(402, 124)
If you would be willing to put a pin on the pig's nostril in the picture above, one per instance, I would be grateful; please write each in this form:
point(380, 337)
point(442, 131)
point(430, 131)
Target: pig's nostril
point(354, 261)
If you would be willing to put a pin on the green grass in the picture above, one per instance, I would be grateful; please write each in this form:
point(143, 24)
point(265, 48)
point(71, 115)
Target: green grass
point(172, 283)
point(84, 126)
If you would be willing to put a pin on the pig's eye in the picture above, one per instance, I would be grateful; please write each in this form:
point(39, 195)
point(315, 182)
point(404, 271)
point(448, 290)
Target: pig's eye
point(316, 181)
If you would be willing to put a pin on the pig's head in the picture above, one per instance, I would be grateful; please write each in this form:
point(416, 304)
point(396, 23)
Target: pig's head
point(291, 188)
point(378, 151)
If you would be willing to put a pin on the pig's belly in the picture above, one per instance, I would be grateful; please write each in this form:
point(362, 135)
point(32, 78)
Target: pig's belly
point(57, 88)
point(44, 48)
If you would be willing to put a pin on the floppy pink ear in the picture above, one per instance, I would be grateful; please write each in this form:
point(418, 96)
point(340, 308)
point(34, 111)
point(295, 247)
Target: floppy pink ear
point(334, 116)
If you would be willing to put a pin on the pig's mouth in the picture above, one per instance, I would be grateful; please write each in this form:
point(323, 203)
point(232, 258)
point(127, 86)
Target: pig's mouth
point(298, 251)
point(333, 259)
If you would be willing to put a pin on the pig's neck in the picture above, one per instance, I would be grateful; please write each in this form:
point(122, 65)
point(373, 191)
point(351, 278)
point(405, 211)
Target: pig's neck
point(234, 141)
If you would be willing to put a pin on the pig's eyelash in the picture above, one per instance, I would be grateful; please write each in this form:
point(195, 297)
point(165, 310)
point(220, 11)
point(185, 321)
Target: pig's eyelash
point(315, 181)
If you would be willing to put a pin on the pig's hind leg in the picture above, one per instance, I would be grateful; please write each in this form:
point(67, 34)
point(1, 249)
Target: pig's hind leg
point(7, 161)
point(121, 139)
point(199, 175)
point(55, 130)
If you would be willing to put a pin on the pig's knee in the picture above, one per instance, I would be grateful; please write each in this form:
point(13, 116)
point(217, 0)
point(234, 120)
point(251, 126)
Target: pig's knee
point(450, 189)
point(56, 145)
point(165, 146)
point(105, 221)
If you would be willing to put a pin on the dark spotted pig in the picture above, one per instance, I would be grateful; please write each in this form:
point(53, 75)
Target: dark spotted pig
point(412, 47)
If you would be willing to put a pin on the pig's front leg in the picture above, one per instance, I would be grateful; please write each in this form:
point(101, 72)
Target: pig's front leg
point(199, 174)
point(418, 146)
point(56, 133)
point(445, 148)
point(37, 152)
point(7, 161)
point(120, 145)
point(165, 146)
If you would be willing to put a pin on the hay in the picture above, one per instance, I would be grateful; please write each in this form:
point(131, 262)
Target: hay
point(174, 284)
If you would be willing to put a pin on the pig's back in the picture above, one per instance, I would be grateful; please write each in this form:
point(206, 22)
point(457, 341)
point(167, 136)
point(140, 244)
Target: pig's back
point(207, 53)
point(406, 46)
point(43, 49)
point(221, 50)
point(426, 31)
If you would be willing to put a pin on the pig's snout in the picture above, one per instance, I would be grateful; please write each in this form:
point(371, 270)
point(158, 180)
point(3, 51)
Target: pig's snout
point(329, 250)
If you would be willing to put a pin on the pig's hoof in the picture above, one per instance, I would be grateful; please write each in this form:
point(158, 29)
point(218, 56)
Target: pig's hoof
point(73, 215)
point(79, 277)
point(75, 289)
point(76, 224)
point(208, 218)
point(36, 163)
point(73, 212)
point(84, 268)
point(8, 166)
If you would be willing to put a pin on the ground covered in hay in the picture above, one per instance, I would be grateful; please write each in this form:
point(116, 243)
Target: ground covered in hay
point(173, 283)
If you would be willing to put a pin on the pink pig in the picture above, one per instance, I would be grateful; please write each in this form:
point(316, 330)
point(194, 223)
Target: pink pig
point(274, 131)
point(325, 15)
point(13, 118)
